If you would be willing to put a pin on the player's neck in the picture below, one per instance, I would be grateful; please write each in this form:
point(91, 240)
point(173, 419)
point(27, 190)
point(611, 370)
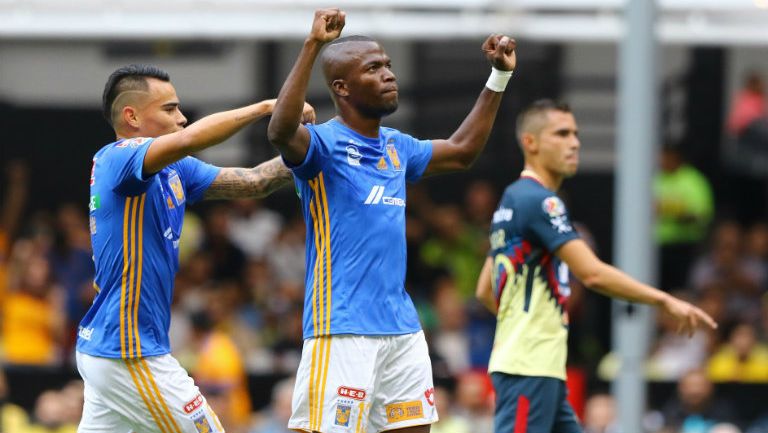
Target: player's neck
point(364, 126)
point(550, 181)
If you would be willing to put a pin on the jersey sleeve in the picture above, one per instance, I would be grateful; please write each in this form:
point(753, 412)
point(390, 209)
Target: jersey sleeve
point(313, 160)
point(126, 166)
point(418, 154)
point(548, 222)
point(197, 176)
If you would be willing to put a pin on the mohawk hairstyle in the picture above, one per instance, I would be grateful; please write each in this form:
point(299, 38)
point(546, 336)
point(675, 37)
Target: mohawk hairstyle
point(129, 77)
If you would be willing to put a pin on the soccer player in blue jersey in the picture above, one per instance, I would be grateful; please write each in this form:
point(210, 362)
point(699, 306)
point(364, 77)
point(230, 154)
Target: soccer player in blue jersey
point(525, 279)
point(140, 185)
point(365, 364)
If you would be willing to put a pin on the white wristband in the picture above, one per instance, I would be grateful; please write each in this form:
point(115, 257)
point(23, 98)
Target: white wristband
point(498, 79)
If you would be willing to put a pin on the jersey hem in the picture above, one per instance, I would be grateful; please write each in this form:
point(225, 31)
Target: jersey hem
point(120, 356)
point(513, 372)
point(366, 334)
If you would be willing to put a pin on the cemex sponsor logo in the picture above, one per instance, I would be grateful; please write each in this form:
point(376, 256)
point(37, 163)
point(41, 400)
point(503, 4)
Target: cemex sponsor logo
point(345, 391)
point(194, 404)
point(377, 196)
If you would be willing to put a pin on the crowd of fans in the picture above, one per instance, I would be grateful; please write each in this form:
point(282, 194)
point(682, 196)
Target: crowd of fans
point(238, 303)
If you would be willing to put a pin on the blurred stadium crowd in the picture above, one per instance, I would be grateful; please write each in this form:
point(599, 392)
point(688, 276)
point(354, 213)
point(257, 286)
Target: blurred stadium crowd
point(237, 320)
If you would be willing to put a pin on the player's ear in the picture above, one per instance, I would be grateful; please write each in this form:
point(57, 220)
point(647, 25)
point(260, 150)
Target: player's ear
point(130, 116)
point(529, 143)
point(339, 88)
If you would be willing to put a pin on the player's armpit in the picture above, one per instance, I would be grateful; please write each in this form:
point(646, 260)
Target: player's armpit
point(256, 182)
point(484, 290)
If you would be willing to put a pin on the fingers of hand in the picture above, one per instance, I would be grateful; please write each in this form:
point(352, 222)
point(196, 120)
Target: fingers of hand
point(501, 47)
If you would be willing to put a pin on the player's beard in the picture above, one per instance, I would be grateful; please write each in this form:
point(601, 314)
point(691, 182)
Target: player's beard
point(384, 109)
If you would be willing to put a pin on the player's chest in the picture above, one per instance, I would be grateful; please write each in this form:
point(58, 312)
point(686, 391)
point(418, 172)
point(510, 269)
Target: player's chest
point(366, 177)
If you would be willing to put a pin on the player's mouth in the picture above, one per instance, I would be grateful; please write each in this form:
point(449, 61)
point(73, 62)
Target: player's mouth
point(389, 90)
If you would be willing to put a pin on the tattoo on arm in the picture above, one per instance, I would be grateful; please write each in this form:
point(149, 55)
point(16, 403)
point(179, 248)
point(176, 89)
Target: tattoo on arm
point(259, 181)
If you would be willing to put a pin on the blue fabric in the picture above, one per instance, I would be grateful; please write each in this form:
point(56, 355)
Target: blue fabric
point(352, 190)
point(548, 408)
point(135, 227)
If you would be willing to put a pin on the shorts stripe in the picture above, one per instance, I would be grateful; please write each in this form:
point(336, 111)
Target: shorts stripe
point(521, 416)
point(167, 412)
point(151, 407)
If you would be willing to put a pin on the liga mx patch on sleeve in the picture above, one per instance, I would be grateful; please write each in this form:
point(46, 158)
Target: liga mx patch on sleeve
point(408, 410)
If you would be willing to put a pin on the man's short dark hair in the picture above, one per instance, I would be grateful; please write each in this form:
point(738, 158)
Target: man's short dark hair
point(129, 77)
point(528, 119)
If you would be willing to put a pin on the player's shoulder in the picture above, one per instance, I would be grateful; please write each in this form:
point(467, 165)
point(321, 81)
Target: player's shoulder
point(122, 146)
point(531, 195)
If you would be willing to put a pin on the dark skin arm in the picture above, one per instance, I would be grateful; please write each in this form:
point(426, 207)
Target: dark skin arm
point(285, 131)
point(460, 150)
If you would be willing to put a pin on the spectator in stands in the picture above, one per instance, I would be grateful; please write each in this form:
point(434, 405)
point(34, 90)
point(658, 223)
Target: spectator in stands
point(449, 422)
point(72, 266)
point(450, 338)
point(253, 228)
point(600, 414)
point(726, 268)
point(279, 410)
point(33, 319)
point(741, 359)
point(227, 258)
point(220, 372)
point(695, 408)
point(15, 197)
point(474, 398)
point(675, 354)
point(684, 209)
point(748, 105)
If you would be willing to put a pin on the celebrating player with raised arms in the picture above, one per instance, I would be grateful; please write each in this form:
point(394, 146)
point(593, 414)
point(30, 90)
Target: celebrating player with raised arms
point(140, 185)
point(365, 364)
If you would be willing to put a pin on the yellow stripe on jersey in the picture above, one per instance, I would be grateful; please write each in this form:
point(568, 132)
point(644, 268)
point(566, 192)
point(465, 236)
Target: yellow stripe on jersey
point(138, 277)
point(328, 280)
point(315, 307)
point(126, 209)
point(140, 388)
point(321, 300)
point(131, 275)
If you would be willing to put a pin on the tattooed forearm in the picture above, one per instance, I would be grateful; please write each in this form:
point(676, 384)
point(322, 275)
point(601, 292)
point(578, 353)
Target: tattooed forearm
point(259, 181)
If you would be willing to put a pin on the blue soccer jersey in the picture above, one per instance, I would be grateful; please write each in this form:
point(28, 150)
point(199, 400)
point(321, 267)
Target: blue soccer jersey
point(529, 282)
point(352, 192)
point(135, 228)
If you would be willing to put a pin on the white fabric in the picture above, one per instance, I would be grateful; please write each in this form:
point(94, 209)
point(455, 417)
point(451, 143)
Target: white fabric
point(368, 384)
point(147, 395)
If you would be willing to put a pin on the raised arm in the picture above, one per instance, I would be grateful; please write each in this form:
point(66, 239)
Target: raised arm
point(460, 150)
point(285, 130)
point(204, 133)
point(256, 182)
point(608, 280)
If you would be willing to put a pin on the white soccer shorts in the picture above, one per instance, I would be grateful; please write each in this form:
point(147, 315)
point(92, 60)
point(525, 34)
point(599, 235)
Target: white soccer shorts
point(147, 395)
point(359, 384)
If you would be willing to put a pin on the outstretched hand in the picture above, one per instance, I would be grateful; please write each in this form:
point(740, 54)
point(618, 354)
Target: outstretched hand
point(500, 51)
point(688, 316)
point(327, 24)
